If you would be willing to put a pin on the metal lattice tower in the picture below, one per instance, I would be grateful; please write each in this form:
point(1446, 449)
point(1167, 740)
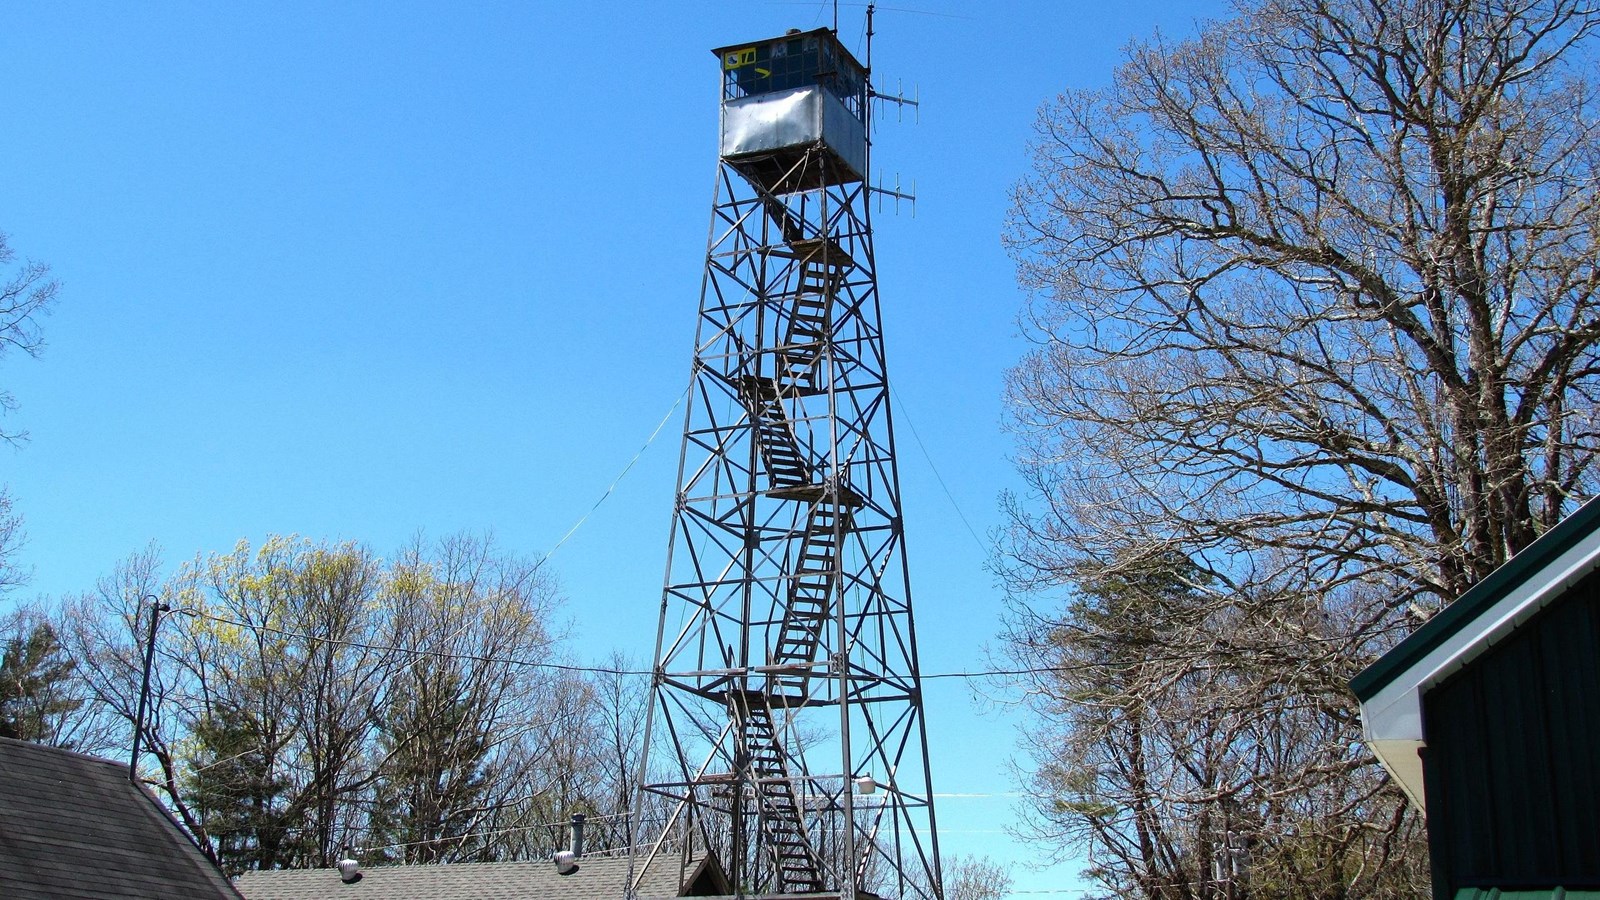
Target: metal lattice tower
point(786, 731)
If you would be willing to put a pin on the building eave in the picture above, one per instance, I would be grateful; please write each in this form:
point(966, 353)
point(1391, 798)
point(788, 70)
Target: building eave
point(1391, 689)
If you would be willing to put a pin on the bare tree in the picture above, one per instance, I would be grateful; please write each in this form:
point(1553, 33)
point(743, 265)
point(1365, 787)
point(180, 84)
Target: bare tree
point(1199, 749)
point(27, 291)
point(1316, 311)
point(25, 297)
point(968, 877)
point(975, 878)
point(102, 634)
point(13, 574)
point(98, 633)
point(616, 726)
point(1322, 280)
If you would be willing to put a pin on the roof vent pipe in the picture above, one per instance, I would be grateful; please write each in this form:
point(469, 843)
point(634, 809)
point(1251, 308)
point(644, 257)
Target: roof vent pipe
point(577, 835)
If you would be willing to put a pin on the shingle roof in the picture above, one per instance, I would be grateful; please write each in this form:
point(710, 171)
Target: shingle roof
point(596, 878)
point(75, 826)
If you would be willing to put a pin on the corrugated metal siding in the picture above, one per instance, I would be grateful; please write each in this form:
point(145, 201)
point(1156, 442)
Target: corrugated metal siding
point(1514, 754)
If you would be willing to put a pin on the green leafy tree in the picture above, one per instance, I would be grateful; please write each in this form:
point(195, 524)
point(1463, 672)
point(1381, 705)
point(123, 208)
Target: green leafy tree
point(310, 697)
point(265, 652)
point(274, 664)
point(465, 725)
point(437, 781)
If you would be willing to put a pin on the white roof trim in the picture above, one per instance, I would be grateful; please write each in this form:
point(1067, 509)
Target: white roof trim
point(1391, 720)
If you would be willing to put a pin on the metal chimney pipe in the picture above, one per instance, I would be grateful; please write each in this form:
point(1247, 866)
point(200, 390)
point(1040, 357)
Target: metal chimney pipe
point(577, 835)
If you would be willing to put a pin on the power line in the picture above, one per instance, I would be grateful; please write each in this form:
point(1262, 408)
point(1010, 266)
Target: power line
point(409, 651)
point(593, 669)
point(1065, 669)
point(471, 835)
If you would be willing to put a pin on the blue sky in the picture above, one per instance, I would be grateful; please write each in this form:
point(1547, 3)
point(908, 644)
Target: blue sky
point(363, 271)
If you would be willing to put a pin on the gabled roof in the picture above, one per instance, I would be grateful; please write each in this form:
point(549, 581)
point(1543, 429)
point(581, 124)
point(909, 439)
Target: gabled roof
point(596, 878)
point(1391, 689)
point(1469, 607)
point(75, 826)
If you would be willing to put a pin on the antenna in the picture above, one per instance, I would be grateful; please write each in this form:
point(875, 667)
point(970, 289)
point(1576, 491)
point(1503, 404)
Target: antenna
point(871, 8)
point(900, 100)
point(901, 103)
point(898, 193)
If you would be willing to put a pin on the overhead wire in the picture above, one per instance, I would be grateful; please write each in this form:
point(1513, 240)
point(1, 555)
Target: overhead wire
point(615, 481)
point(464, 836)
point(881, 8)
point(917, 436)
point(575, 668)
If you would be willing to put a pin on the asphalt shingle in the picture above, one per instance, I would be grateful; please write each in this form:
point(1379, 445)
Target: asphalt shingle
point(596, 878)
point(74, 826)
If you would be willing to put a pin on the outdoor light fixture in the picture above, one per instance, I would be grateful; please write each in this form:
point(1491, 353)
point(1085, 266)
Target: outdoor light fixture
point(866, 785)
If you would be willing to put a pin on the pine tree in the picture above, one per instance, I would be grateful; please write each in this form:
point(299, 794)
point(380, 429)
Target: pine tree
point(34, 675)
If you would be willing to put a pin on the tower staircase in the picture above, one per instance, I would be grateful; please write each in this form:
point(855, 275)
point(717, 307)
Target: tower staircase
point(809, 323)
point(813, 577)
point(781, 453)
point(782, 816)
point(811, 587)
point(791, 473)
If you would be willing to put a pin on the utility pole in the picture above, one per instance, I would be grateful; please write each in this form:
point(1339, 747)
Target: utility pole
point(156, 609)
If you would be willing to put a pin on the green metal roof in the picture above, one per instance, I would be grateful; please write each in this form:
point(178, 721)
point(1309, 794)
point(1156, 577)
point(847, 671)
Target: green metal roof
point(1544, 894)
point(1484, 595)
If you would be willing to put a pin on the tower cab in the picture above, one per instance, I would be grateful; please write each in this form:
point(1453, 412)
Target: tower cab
point(794, 112)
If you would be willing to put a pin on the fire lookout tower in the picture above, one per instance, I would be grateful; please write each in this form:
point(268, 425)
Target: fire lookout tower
point(786, 732)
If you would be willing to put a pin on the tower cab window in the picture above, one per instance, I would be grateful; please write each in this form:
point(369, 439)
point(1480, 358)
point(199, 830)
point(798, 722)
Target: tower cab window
point(791, 63)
